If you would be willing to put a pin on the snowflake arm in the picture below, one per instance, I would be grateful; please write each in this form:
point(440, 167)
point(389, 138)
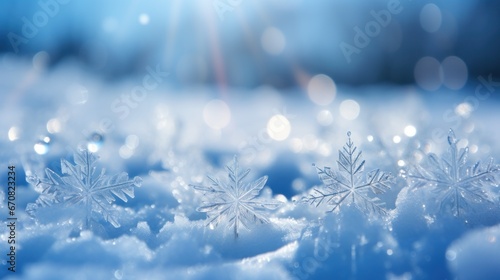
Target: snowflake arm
point(347, 185)
point(456, 184)
point(80, 184)
point(234, 201)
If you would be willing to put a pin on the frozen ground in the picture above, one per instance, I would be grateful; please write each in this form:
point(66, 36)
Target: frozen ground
point(172, 137)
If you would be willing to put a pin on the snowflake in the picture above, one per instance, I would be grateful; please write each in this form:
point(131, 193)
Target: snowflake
point(348, 186)
point(233, 201)
point(81, 185)
point(456, 184)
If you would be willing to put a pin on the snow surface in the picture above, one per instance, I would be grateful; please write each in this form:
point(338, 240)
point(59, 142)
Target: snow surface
point(166, 141)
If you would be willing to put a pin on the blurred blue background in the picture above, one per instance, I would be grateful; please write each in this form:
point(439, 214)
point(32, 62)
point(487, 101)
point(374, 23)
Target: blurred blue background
point(73, 72)
point(246, 43)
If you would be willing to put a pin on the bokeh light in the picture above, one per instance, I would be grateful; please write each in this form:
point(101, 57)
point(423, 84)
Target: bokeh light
point(144, 19)
point(216, 114)
point(430, 18)
point(132, 141)
point(324, 117)
point(428, 73)
point(463, 109)
point(54, 126)
point(321, 90)
point(95, 142)
point(41, 60)
point(410, 131)
point(14, 133)
point(454, 72)
point(273, 41)
point(349, 109)
point(278, 127)
point(296, 145)
point(42, 146)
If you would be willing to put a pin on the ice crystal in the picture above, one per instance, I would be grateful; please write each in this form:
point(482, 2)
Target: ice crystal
point(348, 185)
point(81, 186)
point(456, 184)
point(234, 202)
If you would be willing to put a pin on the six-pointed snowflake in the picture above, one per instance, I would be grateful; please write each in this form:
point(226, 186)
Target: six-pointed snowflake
point(80, 185)
point(234, 202)
point(348, 185)
point(456, 185)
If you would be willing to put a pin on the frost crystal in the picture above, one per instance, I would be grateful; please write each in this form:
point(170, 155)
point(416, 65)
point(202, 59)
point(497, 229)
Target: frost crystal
point(455, 184)
point(234, 202)
point(80, 185)
point(348, 185)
